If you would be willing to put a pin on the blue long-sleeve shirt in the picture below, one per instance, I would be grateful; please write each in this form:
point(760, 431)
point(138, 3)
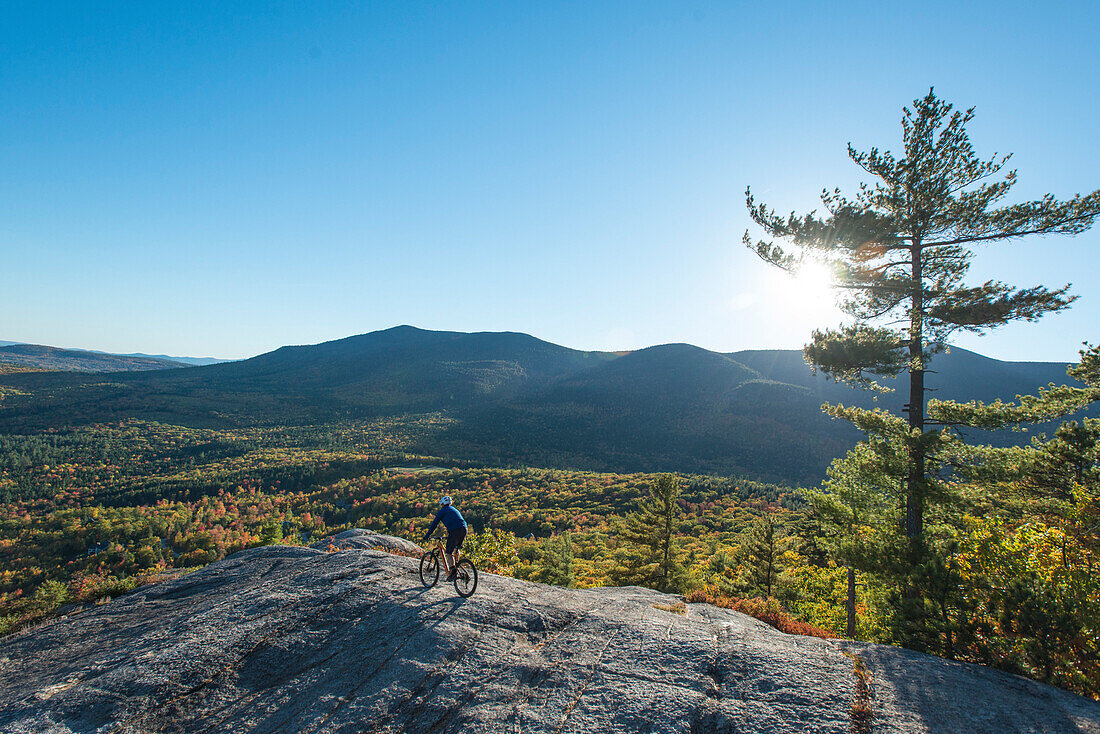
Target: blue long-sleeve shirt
point(450, 517)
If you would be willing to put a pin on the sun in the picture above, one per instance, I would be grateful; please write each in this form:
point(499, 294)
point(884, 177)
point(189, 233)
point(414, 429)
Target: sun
point(812, 287)
point(790, 305)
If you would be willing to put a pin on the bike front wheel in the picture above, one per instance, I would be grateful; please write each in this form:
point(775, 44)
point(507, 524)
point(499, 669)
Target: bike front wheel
point(465, 578)
point(429, 568)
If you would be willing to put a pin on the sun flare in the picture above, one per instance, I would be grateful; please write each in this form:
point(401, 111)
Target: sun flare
point(812, 287)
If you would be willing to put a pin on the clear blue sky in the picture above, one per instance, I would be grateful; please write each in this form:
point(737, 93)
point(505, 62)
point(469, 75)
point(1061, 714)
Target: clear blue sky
point(224, 178)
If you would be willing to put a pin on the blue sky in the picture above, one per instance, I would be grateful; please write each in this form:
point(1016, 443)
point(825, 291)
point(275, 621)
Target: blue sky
point(225, 178)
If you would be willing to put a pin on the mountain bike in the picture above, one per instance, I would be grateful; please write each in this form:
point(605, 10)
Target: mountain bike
point(432, 561)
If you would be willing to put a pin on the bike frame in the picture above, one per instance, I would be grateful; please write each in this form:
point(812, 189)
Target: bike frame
point(443, 553)
point(465, 572)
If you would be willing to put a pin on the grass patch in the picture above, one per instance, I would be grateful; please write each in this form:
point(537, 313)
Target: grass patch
point(678, 608)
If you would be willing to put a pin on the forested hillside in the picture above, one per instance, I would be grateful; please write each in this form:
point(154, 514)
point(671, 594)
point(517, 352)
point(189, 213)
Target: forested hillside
point(91, 512)
point(511, 399)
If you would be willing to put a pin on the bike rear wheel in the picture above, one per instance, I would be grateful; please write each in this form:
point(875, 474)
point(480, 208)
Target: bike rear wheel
point(429, 568)
point(465, 578)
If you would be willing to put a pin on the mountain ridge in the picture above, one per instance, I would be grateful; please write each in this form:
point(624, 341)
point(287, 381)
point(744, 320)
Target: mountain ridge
point(182, 361)
point(38, 356)
point(511, 398)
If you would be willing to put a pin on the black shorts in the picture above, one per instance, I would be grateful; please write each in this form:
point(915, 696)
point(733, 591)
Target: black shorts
point(455, 539)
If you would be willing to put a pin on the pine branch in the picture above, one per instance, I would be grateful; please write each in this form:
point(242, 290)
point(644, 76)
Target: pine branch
point(1052, 402)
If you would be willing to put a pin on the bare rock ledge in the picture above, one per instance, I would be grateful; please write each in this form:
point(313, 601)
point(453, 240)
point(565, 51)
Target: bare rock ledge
point(283, 639)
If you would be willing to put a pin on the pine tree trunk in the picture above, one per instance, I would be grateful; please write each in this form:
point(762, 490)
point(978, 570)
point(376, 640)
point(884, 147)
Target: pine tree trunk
point(667, 546)
point(771, 556)
point(914, 496)
point(850, 628)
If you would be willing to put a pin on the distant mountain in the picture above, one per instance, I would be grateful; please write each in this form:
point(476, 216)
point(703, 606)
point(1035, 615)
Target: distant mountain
point(669, 407)
point(958, 374)
point(405, 368)
point(52, 358)
point(192, 361)
point(515, 399)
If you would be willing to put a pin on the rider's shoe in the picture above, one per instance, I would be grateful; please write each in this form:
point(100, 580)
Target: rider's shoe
point(452, 574)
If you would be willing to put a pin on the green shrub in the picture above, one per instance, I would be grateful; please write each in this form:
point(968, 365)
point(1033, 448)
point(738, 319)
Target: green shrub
point(492, 550)
point(9, 623)
point(51, 595)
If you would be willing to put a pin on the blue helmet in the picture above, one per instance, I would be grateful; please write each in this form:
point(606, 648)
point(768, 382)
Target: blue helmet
point(445, 500)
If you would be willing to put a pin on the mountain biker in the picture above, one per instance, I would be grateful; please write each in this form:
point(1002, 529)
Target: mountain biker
point(456, 532)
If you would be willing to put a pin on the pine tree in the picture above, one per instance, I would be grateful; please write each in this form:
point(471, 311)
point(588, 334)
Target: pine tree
point(555, 566)
point(1057, 478)
point(721, 570)
point(652, 556)
point(271, 532)
point(856, 512)
point(1041, 536)
point(760, 554)
point(900, 249)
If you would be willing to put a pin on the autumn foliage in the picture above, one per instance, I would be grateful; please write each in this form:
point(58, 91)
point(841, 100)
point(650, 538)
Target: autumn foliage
point(766, 610)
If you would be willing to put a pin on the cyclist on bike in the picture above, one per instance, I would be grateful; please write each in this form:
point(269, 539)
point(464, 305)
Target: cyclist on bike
point(456, 532)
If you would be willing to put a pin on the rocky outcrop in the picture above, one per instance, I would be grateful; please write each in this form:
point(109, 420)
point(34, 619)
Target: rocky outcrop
point(284, 639)
point(359, 539)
